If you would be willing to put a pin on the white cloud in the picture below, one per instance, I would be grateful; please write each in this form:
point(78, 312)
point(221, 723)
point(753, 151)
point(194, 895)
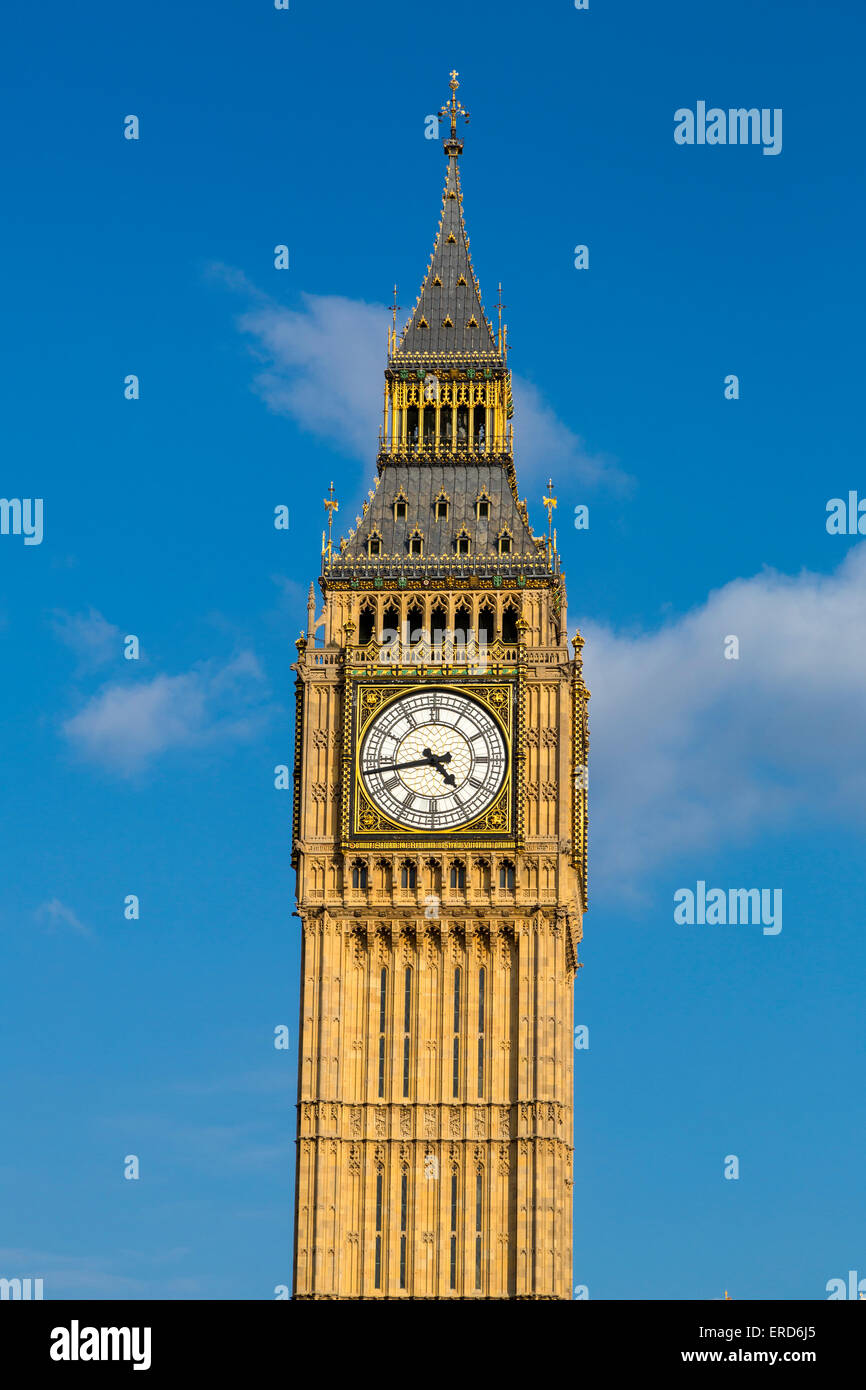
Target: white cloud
point(92, 638)
point(690, 751)
point(55, 914)
point(544, 447)
point(127, 725)
point(323, 366)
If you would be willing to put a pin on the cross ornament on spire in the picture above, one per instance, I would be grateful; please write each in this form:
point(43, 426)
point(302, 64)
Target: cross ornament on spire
point(454, 108)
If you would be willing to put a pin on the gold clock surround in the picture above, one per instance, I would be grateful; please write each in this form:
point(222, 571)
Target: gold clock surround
point(367, 826)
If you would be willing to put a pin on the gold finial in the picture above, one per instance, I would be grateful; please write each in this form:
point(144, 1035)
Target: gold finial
point(550, 503)
point(333, 506)
point(454, 108)
point(393, 335)
point(500, 306)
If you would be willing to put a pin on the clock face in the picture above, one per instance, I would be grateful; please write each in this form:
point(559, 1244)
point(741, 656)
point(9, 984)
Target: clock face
point(433, 760)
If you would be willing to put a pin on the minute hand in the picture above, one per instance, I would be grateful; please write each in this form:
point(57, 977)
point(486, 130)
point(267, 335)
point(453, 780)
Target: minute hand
point(429, 761)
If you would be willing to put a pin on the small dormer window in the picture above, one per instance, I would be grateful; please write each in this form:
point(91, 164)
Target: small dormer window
point(463, 542)
point(374, 544)
point(482, 507)
point(440, 507)
point(472, 323)
point(401, 503)
point(505, 543)
point(462, 280)
point(416, 543)
point(437, 280)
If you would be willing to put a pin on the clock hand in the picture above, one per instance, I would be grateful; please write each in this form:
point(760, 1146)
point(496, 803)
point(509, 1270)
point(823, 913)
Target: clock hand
point(448, 777)
point(429, 759)
point(398, 767)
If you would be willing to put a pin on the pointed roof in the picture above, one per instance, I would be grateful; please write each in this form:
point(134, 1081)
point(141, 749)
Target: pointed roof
point(449, 318)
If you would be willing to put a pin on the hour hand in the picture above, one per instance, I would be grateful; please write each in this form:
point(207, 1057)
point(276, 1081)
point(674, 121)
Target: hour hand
point(437, 761)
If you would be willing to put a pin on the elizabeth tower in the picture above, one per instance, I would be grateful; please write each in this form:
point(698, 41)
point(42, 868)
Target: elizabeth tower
point(439, 843)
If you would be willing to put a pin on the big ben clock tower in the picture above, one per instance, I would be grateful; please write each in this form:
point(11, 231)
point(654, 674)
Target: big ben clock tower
point(439, 843)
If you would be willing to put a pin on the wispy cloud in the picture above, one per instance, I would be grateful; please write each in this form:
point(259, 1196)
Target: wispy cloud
point(546, 447)
point(691, 751)
point(92, 638)
point(129, 724)
point(54, 914)
point(322, 365)
point(92, 1276)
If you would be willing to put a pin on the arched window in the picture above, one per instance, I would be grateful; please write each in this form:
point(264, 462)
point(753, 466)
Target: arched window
point(455, 1055)
point(509, 624)
point(407, 1027)
point(366, 620)
point(462, 624)
point(485, 625)
point(390, 624)
point(482, 875)
point(482, 986)
point(458, 876)
point(479, 1204)
point(377, 1272)
point(408, 875)
point(438, 624)
point(383, 1013)
point(453, 1261)
point(404, 1224)
point(359, 874)
point(415, 622)
point(506, 875)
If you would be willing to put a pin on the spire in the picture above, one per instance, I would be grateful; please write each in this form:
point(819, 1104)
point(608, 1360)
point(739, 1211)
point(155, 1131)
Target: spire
point(449, 319)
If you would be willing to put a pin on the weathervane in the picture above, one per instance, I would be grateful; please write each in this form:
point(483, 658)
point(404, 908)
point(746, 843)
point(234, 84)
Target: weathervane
point(453, 108)
point(500, 306)
point(333, 506)
point(550, 503)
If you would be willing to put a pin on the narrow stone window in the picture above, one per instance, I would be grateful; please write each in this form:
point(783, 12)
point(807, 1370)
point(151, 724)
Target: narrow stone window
point(404, 1225)
point(479, 1202)
point(377, 1273)
point(453, 1230)
point(407, 1028)
point(383, 1007)
point(456, 1047)
point(482, 985)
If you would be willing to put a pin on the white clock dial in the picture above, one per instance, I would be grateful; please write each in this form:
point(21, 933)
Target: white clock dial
point(433, 760)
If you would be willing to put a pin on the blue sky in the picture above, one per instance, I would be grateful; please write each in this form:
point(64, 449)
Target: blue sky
point(707, 518)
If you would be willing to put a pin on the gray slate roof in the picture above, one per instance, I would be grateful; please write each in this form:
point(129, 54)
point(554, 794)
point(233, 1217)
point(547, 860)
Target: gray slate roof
point(422, 484)
point(460, 303)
